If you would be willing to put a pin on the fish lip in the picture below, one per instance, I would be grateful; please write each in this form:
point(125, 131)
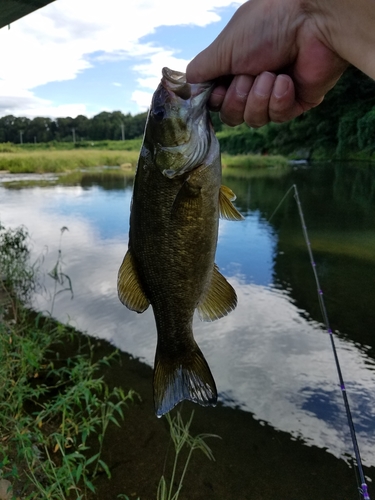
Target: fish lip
point(175, 81)
point(175, 77)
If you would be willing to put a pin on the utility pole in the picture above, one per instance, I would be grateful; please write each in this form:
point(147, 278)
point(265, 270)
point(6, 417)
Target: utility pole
point(21, 139)
point(123, 131)
point(74, 134)
point(34, 139)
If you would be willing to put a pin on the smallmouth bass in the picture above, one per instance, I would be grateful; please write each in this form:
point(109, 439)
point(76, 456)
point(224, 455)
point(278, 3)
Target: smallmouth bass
point(177, 200)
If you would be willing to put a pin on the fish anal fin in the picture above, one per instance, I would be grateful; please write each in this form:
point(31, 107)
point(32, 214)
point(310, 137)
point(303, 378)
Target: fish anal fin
point(219, 299)
point(129, 289)
point(226, 208)
point(183, 377)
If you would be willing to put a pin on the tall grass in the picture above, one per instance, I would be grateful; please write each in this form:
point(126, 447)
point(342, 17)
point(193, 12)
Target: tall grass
point(54, 411)
point(182, 439)
point(63, 161)
point(253, 161)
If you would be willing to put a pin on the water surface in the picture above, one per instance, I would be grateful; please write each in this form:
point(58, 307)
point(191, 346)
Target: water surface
point(271, 356)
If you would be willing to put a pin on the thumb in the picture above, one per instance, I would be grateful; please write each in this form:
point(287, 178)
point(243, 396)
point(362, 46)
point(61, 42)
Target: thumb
point(207, 65)
point(315, 72)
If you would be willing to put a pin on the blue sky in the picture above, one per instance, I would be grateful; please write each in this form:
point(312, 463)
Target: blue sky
point(83, 56)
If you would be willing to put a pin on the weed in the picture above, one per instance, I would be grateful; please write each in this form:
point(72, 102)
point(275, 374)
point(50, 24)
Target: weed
point(60, 278)
point(181, 437)
point(54, 412)
point(16, 276)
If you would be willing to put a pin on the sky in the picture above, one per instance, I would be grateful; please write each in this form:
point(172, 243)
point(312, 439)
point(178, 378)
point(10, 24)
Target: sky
point(82, 56)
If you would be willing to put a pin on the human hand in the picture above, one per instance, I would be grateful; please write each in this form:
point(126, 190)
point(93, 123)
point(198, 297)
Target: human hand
point(277, 59)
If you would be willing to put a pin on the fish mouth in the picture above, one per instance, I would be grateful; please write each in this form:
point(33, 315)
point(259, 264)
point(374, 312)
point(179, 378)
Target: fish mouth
point(175, 81)
point(174, 77)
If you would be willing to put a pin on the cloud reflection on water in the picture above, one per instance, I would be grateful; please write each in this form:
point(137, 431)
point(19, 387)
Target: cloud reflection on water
point(266, 356)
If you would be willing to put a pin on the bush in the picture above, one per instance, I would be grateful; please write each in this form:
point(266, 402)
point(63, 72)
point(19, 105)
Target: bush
point(366, 130)
point(241, 140)
point(347, 133)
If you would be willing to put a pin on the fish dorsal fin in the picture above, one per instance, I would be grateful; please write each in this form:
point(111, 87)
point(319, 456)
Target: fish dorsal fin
point(219, 300)
point(227, 209)
point(129, 288)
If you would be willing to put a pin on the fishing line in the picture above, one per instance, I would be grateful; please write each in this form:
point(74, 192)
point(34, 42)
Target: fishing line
point(363, 489)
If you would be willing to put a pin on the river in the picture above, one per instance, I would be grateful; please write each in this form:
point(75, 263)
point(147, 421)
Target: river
point(271, 356)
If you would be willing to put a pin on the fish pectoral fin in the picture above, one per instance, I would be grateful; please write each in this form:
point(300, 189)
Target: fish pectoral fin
point(187, 376)
point(188, 199)
point(226, 208)
point(129, 289)
point(219, 300)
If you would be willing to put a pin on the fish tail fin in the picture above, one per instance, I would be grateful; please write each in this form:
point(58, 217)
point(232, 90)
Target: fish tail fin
point(187, 377)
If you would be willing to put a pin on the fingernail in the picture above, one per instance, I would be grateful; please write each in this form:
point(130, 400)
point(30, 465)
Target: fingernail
point(281, 86)
point(243, 85)
point(263, 84)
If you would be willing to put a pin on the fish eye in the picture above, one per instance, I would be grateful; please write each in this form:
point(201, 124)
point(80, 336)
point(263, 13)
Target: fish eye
point(158, 114)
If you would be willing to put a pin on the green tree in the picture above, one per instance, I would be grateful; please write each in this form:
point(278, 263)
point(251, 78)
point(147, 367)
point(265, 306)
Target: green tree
point(366, 131)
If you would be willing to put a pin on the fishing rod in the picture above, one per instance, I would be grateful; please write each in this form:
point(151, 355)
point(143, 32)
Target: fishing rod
point(363, 489)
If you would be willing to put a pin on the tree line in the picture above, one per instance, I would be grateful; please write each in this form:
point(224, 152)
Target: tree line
point(343, 124)
point(104, 126)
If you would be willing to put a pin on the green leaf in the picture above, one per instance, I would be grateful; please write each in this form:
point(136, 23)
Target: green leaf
point(106, 468)
point(90, 485)
point(79, 472)
point(92, 459)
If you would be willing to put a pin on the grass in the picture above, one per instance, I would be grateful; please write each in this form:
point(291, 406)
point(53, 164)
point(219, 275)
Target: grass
point(128, 145)
point(66, 157)
point(246, 162)
point(181, 438)
point(59, 161)
point(54, 411)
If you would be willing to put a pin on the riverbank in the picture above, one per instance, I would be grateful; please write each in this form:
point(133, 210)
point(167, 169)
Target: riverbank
point(253, 461)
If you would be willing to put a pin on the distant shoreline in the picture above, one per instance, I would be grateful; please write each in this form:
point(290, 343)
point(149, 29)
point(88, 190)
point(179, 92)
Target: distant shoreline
point(59, 158)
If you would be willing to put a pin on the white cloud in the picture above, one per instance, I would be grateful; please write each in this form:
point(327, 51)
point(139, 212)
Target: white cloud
point(150, 71)
point(58, 42)
point(143, 99)
point(20, 99)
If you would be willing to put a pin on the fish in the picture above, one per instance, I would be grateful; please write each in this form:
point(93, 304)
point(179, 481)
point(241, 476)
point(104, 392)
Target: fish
point(170, 262)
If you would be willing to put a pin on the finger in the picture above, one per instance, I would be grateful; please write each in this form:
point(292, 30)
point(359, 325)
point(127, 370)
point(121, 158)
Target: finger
point(256, 112)
point(234, 103)
point(217, 95)
point(282, 104)
point(216, 98)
